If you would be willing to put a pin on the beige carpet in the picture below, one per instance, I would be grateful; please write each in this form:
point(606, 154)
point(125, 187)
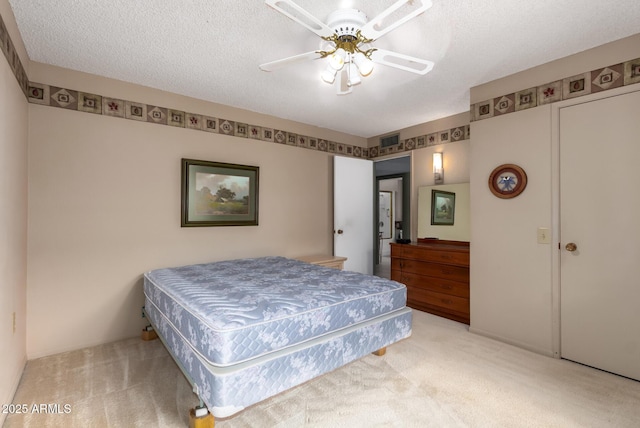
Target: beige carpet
point(442, 376)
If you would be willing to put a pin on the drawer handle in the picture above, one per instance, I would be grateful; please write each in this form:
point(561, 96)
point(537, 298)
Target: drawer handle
point(445, 256)
point(447, 272)
point(447, 301)
point(446, 287)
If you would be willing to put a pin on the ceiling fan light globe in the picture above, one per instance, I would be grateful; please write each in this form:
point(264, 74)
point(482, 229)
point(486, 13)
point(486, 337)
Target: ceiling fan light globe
point(329, 75)
point(336, 60)
point(365, 65)
point(366, 70)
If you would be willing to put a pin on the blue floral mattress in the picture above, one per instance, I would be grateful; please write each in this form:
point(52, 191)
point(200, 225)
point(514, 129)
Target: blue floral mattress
point(234, 311)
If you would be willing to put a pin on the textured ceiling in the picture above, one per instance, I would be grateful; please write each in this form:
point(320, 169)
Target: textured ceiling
point(211, 49)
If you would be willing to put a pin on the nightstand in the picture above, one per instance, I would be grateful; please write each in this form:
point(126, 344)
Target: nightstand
point(324, 260)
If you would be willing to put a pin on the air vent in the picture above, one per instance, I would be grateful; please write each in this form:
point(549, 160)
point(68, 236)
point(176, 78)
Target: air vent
point(390, 140)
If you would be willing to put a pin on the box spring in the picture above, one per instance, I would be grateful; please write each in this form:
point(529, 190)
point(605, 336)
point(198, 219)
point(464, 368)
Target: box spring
point(228, 390)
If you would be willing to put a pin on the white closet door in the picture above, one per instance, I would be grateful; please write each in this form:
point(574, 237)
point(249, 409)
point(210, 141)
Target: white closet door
point(600, 214)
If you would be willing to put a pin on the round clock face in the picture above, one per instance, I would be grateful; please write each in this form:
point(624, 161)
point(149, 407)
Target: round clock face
point(507, 181)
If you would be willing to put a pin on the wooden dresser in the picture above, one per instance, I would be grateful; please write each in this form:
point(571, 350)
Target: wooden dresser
point(436, 273)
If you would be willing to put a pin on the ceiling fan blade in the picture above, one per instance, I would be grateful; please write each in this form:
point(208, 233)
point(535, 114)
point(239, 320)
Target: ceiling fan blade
point(292, 11)
point(376, 27)
point(275, 65)
point(402, 62)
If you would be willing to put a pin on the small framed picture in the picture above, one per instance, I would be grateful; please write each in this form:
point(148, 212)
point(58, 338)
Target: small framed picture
point(443, 207)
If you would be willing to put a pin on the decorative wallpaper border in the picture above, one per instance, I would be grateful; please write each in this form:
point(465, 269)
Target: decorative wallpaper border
point(9, 51)
point(451, 135)
point(70, 99)
point(590, 82)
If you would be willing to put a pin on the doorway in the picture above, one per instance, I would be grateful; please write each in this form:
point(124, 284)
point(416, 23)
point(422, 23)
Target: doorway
point(392, 187)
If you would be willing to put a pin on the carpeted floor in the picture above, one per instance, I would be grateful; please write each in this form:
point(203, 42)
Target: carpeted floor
point(442, 376)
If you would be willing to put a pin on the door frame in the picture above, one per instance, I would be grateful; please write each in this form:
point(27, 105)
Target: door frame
point(406, 208)
point(555, 203)
point(407, 197)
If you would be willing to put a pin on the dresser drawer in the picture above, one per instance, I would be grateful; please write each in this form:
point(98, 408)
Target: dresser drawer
point(445, 302)
point(396, 275)
point(454, 288)
point(396, 264)
point(437, 270)
point(436, 255)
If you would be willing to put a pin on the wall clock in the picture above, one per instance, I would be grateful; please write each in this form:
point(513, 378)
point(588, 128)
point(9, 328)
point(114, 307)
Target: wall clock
point(507, 181)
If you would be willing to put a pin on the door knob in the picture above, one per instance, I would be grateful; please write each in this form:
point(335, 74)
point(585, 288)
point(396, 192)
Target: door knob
point(340, 232)
point(571, 247)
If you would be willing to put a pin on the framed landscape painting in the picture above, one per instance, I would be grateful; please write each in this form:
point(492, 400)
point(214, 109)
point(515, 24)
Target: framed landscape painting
point(219, 194)
point(443, 207)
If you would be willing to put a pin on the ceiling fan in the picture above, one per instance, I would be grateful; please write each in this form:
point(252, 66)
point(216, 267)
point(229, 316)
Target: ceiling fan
point(347, 37)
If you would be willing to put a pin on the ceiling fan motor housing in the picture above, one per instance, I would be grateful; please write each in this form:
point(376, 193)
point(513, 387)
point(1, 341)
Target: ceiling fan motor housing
point(346, 23)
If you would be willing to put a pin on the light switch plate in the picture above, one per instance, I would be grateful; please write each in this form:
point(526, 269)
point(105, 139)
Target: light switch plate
point(544, 235)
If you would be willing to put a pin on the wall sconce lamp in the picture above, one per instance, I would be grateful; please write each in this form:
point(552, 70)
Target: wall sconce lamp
point(438, 172)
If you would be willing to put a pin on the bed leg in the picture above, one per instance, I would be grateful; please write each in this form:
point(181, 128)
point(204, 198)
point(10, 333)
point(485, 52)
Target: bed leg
point(148, 333)
point(201, 418)
point(380, 352)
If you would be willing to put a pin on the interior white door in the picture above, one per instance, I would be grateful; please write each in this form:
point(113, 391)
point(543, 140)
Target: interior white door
point(599, 214)
point(353, 202)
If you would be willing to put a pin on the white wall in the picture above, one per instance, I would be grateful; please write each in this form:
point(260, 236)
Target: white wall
point(511, 274)
point(13, 220)
point(510, 271)
point(104, 207)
